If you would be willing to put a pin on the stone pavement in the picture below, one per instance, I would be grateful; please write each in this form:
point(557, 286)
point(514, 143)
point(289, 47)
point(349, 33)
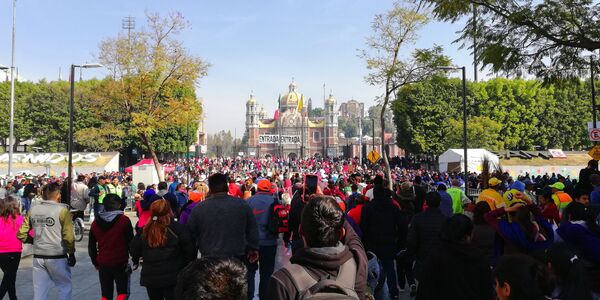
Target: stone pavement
point(86, 285)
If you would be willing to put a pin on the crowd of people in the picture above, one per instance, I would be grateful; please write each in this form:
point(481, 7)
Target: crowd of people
point(432, 235)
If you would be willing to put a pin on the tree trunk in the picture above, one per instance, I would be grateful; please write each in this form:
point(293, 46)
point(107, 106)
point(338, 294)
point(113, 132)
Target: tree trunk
point(388, 172)
point(161, 175)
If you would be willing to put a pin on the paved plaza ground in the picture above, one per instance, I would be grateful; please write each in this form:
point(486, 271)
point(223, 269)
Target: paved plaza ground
point(86, 285)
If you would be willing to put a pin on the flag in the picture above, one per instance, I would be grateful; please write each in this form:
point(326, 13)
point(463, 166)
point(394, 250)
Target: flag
point(299, 108)
point(276, 115)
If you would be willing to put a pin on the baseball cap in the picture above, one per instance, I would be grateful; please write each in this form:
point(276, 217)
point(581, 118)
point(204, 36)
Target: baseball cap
point(558, 185)
point(264, 185)
point(494, 181)
point(518, 185)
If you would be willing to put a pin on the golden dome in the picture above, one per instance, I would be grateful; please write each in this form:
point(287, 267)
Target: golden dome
point(252, 100)
point(331, 99)
point(291, 98)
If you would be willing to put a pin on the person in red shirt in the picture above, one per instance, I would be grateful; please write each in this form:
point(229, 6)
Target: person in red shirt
point(332, 190)
point(234, 188)
point(356, 211)
point(549, 209)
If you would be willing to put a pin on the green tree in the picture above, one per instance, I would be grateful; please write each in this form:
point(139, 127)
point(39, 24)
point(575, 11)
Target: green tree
point(549, 37)
point(482, 132)
point(153, 80)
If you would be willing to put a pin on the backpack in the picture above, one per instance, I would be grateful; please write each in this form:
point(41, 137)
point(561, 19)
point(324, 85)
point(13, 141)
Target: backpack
point(277, 218)
point(342, 287)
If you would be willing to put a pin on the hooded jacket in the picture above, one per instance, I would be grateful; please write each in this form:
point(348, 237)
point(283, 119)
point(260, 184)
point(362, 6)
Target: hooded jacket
point(322, 262)
point(384, 227)
point(110, 235)
point(514, 235)
point(457, 271)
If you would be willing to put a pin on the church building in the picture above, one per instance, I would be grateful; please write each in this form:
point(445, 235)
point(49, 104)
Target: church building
point(291, 133)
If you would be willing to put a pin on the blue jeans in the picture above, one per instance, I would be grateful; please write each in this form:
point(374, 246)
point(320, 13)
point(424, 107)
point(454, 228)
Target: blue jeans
point(266, 266)
point(388, 276)
point(54, 270)
point(26, 204)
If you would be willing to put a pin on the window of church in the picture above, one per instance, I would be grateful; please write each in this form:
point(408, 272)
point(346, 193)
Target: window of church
point(316, 136)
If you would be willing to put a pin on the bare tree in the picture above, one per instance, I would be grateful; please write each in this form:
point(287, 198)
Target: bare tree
point(393, 33)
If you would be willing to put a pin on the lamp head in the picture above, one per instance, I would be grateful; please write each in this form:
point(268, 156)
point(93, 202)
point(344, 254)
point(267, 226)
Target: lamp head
point(91, 65)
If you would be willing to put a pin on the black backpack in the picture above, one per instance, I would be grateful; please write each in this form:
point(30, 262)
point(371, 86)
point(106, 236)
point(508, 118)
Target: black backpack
point(309, 288)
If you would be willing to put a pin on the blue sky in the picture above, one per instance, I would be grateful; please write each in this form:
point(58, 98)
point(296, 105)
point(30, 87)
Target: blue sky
point(252, 45)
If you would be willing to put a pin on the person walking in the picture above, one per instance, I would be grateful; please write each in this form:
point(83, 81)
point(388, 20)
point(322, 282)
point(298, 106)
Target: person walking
point(384, 231)
point(166, 248)
point(223, 225)
point(424, 231)
point(53, 244)
point(457, 270)
point(108, 248)
point(10, 246)
point(261, 204)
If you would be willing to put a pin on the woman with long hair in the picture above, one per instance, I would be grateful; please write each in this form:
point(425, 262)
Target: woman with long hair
point(10, 246)
point(166, 249)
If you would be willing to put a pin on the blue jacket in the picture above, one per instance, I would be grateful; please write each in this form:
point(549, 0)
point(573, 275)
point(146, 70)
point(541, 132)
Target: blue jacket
point(260, 204)
point(581, 238)
point(446, 204)
point(595, 197)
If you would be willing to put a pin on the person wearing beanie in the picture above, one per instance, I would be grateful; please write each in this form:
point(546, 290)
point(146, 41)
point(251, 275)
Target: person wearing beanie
point(491, 195)
point(261, 204)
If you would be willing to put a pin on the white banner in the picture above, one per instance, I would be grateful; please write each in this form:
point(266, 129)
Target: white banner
point(274, 139)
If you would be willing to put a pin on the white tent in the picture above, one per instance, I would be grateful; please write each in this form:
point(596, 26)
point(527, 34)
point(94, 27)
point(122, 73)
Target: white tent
point(452, 160)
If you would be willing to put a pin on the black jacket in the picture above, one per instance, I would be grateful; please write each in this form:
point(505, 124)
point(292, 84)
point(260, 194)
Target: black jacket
point(420, 193)
point(384, 227)
point(423, 232)
point(457, 271)
point(162, 264)
point(294, 216)
point(223, 225)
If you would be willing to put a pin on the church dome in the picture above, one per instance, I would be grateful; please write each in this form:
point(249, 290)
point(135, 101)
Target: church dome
point(252, 100)
point(330, 100)
point(291, 98)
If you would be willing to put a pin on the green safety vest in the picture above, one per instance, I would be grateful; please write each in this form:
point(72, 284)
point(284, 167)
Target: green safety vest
point(103, 191)
point(456, 194)
point(115, 189)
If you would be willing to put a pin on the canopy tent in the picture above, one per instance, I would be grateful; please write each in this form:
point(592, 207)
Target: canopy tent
point(453, 160)
point(150, 162)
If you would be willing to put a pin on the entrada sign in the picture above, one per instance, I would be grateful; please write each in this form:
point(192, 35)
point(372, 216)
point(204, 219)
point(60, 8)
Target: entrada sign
point(50, 158)
point(275, 139)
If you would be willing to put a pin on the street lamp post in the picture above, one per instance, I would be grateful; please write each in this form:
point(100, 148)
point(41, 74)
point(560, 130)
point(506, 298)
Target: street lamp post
point(464, 103)
point(11, 130)
point(71, 117)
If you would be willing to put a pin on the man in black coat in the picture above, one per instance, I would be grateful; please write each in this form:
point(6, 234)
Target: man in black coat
point(224, 226)
point(424, 231)
point(384, 233)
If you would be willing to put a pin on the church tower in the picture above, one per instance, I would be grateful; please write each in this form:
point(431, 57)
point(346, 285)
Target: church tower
point(252, 116)
point(331, 126)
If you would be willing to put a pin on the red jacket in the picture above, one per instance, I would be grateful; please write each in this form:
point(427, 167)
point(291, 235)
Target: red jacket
point(355, 213)
point(550, 213)
point(234, 190)
point(108, 245)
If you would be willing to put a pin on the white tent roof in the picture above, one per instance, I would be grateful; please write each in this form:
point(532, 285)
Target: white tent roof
point(475, 158)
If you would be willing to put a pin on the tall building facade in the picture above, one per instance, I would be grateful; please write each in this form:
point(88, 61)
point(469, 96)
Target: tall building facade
point(291, 133)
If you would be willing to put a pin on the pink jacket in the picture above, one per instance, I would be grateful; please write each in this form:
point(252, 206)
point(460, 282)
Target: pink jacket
point(8, 235)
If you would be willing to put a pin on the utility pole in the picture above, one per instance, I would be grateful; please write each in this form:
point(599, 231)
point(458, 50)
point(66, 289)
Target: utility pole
point(360, 154)
point(11, 137)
